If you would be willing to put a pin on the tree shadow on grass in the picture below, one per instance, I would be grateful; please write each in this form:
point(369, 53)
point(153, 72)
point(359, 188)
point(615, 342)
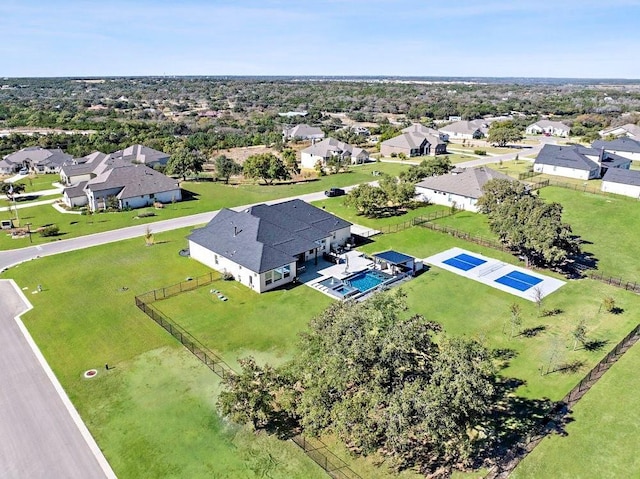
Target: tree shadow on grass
point(533, 332)
point(595, 344)
point(569, 368)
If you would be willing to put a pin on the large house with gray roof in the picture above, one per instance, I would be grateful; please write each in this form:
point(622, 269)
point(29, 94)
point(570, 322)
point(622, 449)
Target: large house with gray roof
point(322, 151)
point(142, 154)
point(303, 132)
point(577, 162)
point(466, 130)
point(460, 188)
point(622, 182)
point(416, 140)
point(263, 246)
point(130, 186)
point(626, 147)
point(36, 159)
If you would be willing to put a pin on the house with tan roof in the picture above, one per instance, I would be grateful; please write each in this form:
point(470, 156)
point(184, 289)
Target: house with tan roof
point(460, 188)
point(416, 140)
point(322, 151)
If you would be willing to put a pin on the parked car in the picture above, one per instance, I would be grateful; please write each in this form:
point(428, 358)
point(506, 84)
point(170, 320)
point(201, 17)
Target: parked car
point(334, 192)
point(23, 171)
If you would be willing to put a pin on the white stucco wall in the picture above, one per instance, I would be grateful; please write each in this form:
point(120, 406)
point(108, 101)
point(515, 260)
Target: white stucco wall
point(340, 237)
point(309, 161)
point(447, 199)
point(620, 189)
point(147, 200)
point(75, 201)
point(626, 154)
point(566, 172)
point(250, 279)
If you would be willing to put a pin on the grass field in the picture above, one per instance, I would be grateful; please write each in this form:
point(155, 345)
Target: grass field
point(153, 415)
point(159, 401)
point(602, 438)
point(609, 224)
point(206, 196)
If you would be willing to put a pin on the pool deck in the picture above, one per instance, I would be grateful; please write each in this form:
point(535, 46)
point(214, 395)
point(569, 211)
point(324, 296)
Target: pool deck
point(354, 263)
point(492, 269)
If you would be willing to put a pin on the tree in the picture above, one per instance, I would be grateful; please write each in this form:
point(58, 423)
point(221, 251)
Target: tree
point(226, 167)
point(439, 165)
point(579, 334)
point(257, 396)
point(503, 132)
point(398, 191)
point(290, 160)
point(12, 189)
point(366, 199)
point(184, 162)
point(265, 166)
point(526, 224)
point(515, 319)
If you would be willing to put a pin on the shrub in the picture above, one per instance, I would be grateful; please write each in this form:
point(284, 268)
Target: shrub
point(480, 152)
point(609, 304)
point(394, 155)
point(227, 276)
point(51, 230)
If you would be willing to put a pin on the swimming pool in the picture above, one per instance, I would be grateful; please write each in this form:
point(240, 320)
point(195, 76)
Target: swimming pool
point(337, 287)
point(464, 261)
point(367, 280)
point(518, 280)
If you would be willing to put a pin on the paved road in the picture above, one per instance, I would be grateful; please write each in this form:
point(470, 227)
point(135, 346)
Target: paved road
point(42, 436)
point(13, 257)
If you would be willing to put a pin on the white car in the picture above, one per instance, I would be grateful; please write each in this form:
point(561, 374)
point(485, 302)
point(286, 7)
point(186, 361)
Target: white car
point(23, 171)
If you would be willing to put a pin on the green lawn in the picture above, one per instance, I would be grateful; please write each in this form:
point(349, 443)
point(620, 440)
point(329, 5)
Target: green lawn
point(153, 415)
point(609, 224)
point(206, 197)
point(39, 182)
point(158, 402)
point(336, 207)
point(602, 437)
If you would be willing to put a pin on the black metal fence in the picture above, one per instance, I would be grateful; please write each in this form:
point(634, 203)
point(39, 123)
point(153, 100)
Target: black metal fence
point(528, 174)
point(615, 281)
point(555, 416)
point(572, 186)
point(395, 228)
point(314, 448)
point(321, 455)
point(489, 243)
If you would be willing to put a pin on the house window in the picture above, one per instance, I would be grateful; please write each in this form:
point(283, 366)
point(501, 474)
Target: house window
point(310, 251)
point(215, 258)
point(268, 277)
point(277, 274)
point(286, 271)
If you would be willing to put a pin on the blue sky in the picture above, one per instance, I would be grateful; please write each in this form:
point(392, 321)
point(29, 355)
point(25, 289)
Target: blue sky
point(537, 38)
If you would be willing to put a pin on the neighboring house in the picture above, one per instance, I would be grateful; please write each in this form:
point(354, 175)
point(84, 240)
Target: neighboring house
point(629, 130)
point(37, 159)
point(75, 195)
point(548, 127)
point(460, 188)
point(622, 182)
point(83, 169)
point(131, 186)
point(303, 132)
point(328, 148)
point(142, 154)
point(466, 130)
point(415, 140)
point(577, 161)
point(627, 147)
point(263, 246)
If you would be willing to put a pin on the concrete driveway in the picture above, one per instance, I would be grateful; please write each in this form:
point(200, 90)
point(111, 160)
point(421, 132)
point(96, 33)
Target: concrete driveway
point(42, 435)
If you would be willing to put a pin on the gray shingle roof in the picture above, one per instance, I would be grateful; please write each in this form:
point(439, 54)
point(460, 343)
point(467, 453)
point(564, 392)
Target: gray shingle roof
point(76, 190)
point(622, 176)
point(264, 237)
point(304, 131)
point(331, 146)
point(469, 183)
point(141, 154)
point(568, 157)
point(40, 156)
point(620, 144)
point(554, 124)
point(134, 181)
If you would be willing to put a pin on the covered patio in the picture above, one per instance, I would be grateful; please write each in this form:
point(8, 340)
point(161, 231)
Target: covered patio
point(396, 262)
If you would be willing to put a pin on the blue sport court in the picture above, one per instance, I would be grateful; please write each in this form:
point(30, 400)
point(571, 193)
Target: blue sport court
point(518, 280)
point(464, 261)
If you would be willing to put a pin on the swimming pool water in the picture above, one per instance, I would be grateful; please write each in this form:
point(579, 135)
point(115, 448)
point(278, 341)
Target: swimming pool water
point(367, 280)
